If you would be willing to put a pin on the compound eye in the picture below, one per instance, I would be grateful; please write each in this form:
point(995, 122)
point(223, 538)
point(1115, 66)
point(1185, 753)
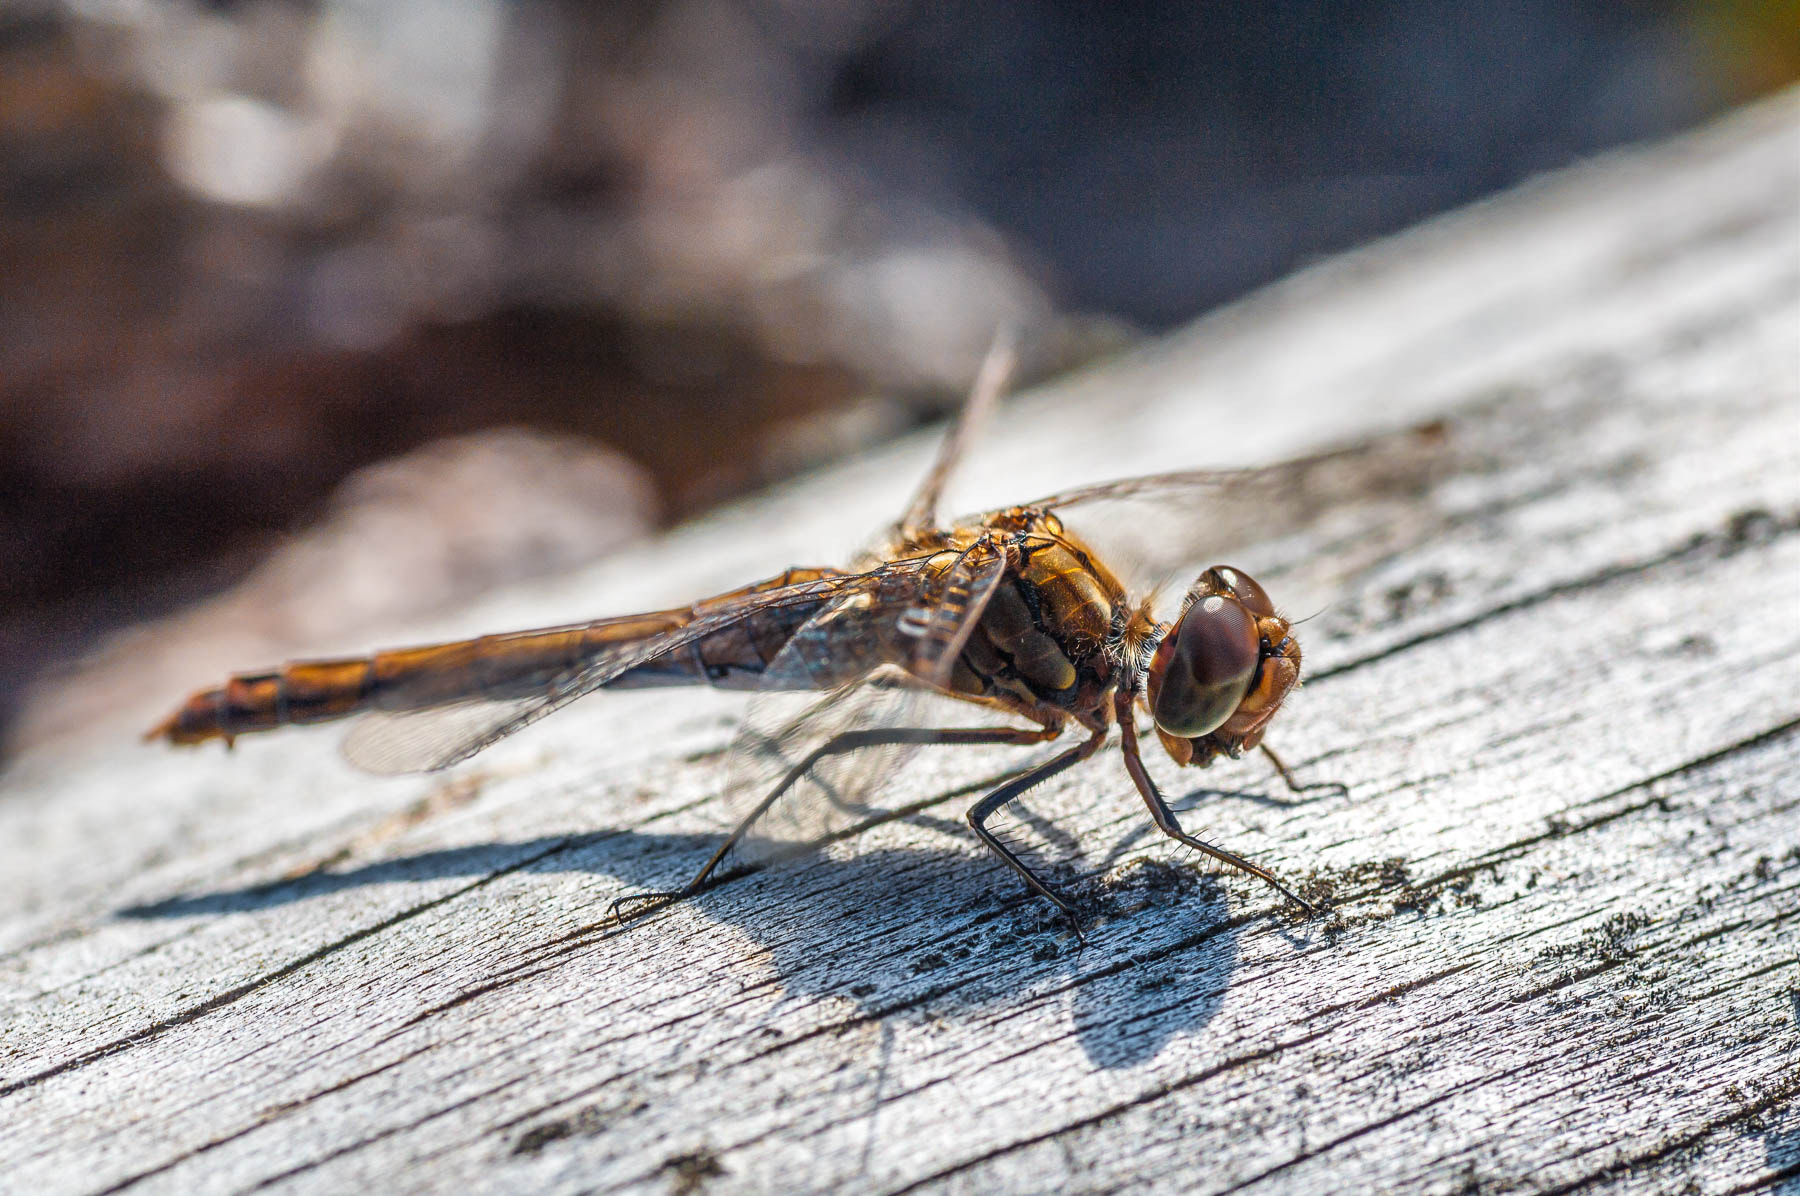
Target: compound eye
point(1204, 667)
point(1227, 580)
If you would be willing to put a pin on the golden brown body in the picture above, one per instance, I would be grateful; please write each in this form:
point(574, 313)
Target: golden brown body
point(1041, 644)
point(491, 667)
point(1052, 629)
point(1011, 614)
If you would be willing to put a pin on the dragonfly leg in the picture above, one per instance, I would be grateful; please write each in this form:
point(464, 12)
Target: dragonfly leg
point(850, 741)
point(984, 809)
point(1287, 776)
point(1168, 825)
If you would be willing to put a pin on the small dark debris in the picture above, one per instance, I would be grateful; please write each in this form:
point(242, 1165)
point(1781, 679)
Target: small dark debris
point(580, 1124)
point(1140, 885)
point(1756, 525)
point(706, 755)
point(1414, 596)
point(860, 991)
point(1698, 644)
point(1393, 879)
point(691, 1171)
point(1429, 899)
point(1607, 942)
point(1414, 901)
point(929, 962)
point(1323, 886)
point(981, 902)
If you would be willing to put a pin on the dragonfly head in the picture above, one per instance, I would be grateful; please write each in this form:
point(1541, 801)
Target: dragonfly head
point(1222, 670)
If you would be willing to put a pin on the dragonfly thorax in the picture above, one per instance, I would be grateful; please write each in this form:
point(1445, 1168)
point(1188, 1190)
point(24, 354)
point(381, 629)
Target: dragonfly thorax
point(1043, 639)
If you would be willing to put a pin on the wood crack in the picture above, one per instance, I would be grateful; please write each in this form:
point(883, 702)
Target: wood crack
point(1110, 1112)
point(157, 1029)
point(261, 1121)
point(1634, 1163)
point(1748, 528)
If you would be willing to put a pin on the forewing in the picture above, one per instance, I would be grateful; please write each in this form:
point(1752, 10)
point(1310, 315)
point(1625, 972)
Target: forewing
point(1154, 526)
point(389, 743)
point(944, 624)
point(921, 514)
point(435, 737)
point(787, 733)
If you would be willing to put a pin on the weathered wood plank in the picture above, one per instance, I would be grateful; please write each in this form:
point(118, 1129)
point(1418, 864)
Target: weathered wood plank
point(1558, 682)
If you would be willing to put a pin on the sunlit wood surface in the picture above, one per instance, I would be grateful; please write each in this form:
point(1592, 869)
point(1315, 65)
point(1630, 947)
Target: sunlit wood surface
point(1561, 681)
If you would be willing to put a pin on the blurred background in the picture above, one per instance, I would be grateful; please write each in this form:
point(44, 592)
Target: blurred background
point(309, 308)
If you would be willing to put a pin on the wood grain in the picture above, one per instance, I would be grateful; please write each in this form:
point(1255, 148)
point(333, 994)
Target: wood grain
point(1555, 671)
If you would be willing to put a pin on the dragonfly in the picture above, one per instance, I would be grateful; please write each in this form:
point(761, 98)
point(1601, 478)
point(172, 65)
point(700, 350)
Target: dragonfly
point(1009, 612)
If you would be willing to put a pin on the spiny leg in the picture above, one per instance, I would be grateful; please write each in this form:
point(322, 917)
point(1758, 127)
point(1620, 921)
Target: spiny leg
point(1165, 817)
point(984, 809)
point(849, 741)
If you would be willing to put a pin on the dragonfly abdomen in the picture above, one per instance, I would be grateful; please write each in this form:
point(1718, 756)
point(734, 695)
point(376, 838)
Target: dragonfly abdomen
point(491, 668)
point(737, 655)
point(502, 667)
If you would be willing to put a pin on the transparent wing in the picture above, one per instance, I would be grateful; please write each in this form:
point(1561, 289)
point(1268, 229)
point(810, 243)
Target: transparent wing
point(1356, 500)
point(788, 735)
point(439, 735)
point(996, 368)
point(1401, 461)
point(941, 628)
point(388, 743)
point(834, 793)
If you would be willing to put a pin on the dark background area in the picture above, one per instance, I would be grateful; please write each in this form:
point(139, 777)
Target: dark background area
point(250, 249)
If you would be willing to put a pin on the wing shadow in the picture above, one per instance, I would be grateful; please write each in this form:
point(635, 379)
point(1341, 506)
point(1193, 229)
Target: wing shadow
point(945, 932)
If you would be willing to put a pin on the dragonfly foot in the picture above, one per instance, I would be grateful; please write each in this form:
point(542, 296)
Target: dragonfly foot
point(636, 905)
point(1063, 906)
point(1074, 922)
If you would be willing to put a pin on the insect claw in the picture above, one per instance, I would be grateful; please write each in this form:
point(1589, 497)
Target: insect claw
point(1074, 922)
point(651, 901)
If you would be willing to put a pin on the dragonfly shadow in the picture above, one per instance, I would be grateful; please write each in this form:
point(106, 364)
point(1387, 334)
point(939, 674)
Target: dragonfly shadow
point(1306, 795)
point(476, 860)
point(1174, 984)
point(1781, 1147)
point(904, 933)
point(1195, 800)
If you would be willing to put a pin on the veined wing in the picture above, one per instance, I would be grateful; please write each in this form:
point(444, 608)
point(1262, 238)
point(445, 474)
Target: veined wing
point(1153, 524)
point(1399, 462)
point(921, 514)
point(440, 733)
point(1304, 478)
point(887, 647)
